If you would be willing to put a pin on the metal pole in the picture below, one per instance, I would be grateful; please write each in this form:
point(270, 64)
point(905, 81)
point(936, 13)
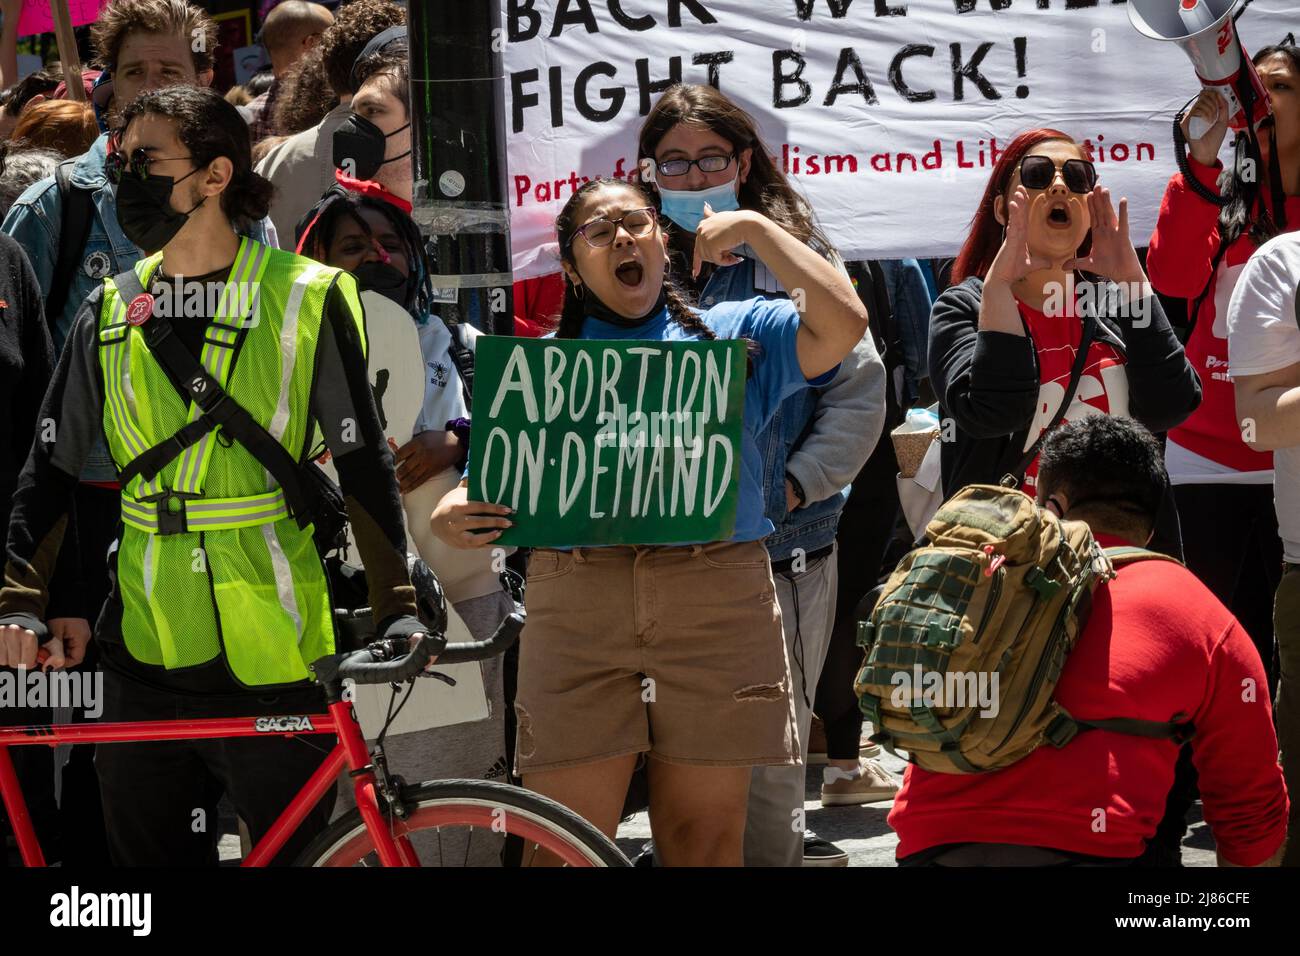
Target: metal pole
point(459, 157)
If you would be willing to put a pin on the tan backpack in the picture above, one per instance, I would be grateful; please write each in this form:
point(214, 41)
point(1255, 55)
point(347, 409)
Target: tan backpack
point(968, 639)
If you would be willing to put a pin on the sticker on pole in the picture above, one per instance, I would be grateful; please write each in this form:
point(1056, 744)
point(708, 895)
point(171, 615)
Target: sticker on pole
point(140, 309)
point(451, 183)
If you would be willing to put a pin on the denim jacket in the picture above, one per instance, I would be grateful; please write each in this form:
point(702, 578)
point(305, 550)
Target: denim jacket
point(820, 436)
point(35, 220)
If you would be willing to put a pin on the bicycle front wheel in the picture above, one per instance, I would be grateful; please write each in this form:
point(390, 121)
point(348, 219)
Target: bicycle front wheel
point(463, 823)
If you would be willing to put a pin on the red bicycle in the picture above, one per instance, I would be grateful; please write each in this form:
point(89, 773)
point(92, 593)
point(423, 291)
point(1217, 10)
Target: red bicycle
point(393, 824)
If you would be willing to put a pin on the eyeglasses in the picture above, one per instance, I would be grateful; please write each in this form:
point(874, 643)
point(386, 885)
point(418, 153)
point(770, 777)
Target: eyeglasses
point(116, 164)
point(1037, 172)
point(707, 164)
point(600, 232)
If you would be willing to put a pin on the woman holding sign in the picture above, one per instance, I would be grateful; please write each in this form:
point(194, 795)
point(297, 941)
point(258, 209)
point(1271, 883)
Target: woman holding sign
point(674, 652)
point(706, 153)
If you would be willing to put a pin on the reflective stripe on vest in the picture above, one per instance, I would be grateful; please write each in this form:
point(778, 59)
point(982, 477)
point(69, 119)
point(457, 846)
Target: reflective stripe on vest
point(234, 311)
point(208, 514)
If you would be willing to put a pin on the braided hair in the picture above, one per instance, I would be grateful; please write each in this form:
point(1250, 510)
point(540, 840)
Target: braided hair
point(315, 232)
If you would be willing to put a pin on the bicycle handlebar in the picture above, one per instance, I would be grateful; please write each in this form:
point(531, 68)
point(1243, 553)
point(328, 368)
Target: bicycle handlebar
point(507, 633)
point(361, 667)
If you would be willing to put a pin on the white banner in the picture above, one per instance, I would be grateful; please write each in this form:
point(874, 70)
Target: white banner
point(888, 114)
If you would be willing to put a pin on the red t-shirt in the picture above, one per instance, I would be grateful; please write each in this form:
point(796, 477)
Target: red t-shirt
point(1103, 386)
point(1156, 644)
point(538, 303)
point(1178, 263)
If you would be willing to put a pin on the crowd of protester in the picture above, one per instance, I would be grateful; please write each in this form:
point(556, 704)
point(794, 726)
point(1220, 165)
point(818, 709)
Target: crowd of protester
point(302, 177)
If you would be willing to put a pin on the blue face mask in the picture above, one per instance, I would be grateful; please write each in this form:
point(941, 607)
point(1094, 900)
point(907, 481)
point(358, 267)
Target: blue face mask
point(686, 207)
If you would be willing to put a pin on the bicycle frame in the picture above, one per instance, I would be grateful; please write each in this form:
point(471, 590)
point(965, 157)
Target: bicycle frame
point(350, 751)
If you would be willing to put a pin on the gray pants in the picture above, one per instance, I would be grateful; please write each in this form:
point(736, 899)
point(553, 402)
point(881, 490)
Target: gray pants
point(473, 750)
point(774, 824)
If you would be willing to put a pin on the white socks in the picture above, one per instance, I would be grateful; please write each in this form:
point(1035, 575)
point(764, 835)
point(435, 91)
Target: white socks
point(831, 774)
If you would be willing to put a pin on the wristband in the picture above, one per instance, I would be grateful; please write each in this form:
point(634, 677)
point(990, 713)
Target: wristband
point(460, 428)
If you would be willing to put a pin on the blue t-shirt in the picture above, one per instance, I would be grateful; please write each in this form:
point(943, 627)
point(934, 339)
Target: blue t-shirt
point(773, 324)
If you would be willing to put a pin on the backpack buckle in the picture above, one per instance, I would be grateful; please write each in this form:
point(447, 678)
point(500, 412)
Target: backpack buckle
point(169, 510)
point(169, 521)
point(1061, 731)
point(1041, 583)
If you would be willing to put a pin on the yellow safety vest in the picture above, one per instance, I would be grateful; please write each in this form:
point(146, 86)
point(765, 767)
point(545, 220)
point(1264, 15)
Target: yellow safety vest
point(224, 569)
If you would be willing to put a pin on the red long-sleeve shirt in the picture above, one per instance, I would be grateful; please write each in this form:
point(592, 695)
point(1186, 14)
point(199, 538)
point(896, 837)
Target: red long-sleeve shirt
point(1182, 248)
point(1156, 644)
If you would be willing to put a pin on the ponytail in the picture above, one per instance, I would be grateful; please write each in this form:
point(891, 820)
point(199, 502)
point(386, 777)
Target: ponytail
point(248, 197)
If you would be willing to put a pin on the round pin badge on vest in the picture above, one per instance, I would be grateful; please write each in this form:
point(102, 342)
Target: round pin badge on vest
point(140, 310)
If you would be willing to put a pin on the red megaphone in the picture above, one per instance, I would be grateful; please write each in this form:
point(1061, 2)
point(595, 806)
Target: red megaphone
point(1206, 33)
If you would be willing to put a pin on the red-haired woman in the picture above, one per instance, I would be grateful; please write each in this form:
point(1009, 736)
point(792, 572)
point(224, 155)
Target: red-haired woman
point(1005, 339)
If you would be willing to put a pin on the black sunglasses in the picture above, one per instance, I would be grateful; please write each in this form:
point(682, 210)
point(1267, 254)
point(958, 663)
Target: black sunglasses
point(116, 164)
point(1037, 172)
point(707, 164)
point(601, 232)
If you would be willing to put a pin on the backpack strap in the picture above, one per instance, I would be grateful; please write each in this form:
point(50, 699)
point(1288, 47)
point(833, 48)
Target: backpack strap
point(1129, 554)
point(76, 212)
point(462, 356)
point(1065, 728)
point(1178, 728)
point(1013, 479)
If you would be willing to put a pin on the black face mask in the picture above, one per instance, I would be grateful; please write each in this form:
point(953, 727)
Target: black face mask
point(597, 309)
point(360, 144)
point(145, 213)
point(387, 280)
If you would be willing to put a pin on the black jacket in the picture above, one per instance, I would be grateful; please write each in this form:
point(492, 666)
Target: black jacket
point(987, 382)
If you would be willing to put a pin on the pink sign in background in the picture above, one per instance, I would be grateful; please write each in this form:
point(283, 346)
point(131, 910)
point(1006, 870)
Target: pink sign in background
point(36, 16)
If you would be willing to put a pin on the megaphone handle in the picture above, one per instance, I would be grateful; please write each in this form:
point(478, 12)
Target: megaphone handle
point(1180, 157)
point(1198, 126)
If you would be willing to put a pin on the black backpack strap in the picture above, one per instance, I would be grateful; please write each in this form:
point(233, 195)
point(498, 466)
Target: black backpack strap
point(462, 356)
point(1065, 728)
point(157, 458)
point(76, 212)
point(1076, 373)
point(218, 408)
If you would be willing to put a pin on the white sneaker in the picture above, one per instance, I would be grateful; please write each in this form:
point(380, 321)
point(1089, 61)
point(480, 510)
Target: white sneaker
point(871, 784)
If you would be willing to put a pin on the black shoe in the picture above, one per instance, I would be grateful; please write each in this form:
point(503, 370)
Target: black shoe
point(819, 852)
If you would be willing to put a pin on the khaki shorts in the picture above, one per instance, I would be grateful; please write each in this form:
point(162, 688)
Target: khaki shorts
point(672, 651)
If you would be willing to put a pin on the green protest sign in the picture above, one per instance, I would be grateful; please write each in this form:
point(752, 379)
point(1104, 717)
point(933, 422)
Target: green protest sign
point(608, 442)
